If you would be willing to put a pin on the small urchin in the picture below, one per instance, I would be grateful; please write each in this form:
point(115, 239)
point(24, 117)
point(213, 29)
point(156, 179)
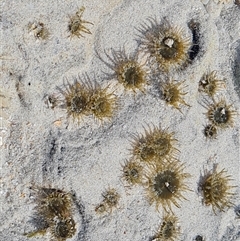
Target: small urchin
point(154, 146)
point(210, 84)
point(166, 182)
point(173, 93)
point(132, 172)
point(215, 188)
point(168, 229)
point(210, 131)
point(221, 114)
point(126, 70)
point(76, 24)
point(110, 200)
point(166, 44)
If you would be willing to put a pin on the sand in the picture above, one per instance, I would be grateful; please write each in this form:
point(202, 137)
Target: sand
point(41, 146)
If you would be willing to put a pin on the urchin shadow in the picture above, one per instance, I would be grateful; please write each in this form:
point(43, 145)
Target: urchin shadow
point(39, 222)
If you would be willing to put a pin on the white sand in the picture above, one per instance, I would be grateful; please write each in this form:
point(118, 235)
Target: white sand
point(87, 158)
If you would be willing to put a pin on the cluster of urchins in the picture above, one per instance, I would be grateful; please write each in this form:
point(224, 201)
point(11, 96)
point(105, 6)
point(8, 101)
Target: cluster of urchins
point(54, 214)
point(154, 159)
point(154, 165)
point(219, 113)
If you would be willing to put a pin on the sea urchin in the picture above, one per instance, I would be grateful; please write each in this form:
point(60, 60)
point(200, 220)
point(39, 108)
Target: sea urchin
point(215, 188)
point(156, 145)
point(168, 230)
point(127, 70)
point(166, 184)
point(165, 44)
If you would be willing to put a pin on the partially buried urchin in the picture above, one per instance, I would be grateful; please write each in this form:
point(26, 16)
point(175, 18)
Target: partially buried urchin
point(168, 230)
point(127, 71)
point(110, 200)
point(85, 98)
point(173, 93)
point(76, 24)
point(215, 188)
point(132, 172)
point(156, 145)
point(166, 183)
point(166, 44)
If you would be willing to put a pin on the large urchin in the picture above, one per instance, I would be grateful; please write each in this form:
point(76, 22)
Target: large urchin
point(215, 187)
point(156, 145)
point(165, 44)
point(166, 184)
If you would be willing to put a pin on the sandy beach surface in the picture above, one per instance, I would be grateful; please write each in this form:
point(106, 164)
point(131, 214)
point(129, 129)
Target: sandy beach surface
point(46, 147)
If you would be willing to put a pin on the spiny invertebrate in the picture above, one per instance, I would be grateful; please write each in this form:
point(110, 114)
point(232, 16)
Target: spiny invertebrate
point(221, 114)
point(62, 229)
point(101, 208)
point(166, 184)
point(86, 97)
point(111, 197)
point(102, 103)
point(54, 210)
point(127, 70)
point(166, 44)
point(154, 146)
point(53, 203)
point(168, 230)
point(76, 24)
point(132, 172)
point(39, 30)
point(215, 189)
point(210, 84)
point(173, 94)
point(77, 100)
point(210, 131)
point(110, 200)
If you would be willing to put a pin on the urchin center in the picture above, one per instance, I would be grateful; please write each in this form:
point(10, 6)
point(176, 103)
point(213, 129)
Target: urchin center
point(134, 173)
point(166, 184)
point(78, 104)
point(169, 48)
point(221, 115)
point(131, 76)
